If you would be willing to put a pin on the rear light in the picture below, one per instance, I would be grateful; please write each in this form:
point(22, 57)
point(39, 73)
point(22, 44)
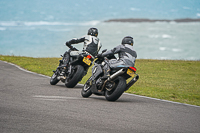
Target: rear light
point(89, 57)
point(133, 68)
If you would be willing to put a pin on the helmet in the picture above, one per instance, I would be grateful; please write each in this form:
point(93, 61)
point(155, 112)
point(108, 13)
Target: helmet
point(93, 32)
point(128, 40)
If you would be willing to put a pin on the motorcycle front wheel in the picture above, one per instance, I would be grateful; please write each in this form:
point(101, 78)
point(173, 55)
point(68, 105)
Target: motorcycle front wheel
point(77, 76)
point(117, 90)
point(86, 92)
point(54, 80)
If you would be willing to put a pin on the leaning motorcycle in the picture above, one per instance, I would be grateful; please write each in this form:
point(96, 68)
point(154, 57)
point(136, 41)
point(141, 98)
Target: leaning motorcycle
point(114, 86)
point(72, 69)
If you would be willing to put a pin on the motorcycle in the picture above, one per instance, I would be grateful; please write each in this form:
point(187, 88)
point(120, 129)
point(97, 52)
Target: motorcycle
point(72, 69)
point(112, 87)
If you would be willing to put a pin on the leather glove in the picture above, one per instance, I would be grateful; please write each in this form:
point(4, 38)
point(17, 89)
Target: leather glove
point(67, 43)
point(99, 56)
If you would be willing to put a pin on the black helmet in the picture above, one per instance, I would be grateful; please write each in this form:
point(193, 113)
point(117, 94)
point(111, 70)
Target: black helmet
point(93, 32)
point(127, 40)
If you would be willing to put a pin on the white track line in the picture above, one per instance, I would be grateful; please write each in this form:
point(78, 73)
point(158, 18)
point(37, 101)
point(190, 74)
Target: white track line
point(124, 93)
point(56, 98)
point(161, 100)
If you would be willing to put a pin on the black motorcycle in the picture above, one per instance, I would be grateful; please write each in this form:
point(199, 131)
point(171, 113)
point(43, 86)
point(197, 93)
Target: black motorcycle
point(72, 69)
point(112, 87)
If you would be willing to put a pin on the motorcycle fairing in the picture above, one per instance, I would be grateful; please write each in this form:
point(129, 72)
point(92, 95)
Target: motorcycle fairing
point(96, 70)
point(124, 66)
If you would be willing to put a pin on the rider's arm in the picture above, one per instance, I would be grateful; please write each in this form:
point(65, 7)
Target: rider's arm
point(113, 51)
point(74, 41)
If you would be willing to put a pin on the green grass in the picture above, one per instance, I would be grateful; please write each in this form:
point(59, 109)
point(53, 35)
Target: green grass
point(173, 80)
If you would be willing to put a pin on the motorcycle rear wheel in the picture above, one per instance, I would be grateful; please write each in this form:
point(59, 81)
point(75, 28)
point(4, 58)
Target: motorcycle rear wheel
point(77, 76)
point(117, 91)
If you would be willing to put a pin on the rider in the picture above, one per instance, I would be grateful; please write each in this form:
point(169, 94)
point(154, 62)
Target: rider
point(91, 46)
point(127, 55)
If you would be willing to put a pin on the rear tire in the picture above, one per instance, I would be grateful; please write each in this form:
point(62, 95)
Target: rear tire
point(117, 91)
point(78, 75)
point(86, 92)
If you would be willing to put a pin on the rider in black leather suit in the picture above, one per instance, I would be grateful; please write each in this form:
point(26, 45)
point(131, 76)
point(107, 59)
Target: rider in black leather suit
point(91, 46)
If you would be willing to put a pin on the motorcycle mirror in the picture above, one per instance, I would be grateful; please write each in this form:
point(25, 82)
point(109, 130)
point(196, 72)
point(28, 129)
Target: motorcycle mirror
point(104, 50)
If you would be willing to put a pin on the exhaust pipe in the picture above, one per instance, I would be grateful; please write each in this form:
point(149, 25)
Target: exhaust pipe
point(121, 71)
point(132, 82)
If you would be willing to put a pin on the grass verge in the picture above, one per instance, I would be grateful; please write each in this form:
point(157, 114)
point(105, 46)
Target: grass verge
point(174, 80)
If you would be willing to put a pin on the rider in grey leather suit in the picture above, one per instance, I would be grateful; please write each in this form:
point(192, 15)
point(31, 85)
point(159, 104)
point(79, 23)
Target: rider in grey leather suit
point(127, 55)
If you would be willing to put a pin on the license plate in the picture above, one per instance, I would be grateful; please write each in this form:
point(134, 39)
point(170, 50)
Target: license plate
point(130, 72)
point(87, 61)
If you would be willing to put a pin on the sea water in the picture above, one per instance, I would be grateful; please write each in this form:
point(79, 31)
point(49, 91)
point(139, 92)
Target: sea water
point(40, 28)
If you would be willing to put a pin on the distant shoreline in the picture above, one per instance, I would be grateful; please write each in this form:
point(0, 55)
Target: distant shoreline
point(138, 20)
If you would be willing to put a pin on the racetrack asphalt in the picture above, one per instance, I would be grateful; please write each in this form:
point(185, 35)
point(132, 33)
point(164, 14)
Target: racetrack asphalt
point(29, 104)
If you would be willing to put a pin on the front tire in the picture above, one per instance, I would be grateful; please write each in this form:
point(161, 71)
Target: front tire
point(86, 92)
point(77, 76)
point(54, 80)
point(117, 91)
